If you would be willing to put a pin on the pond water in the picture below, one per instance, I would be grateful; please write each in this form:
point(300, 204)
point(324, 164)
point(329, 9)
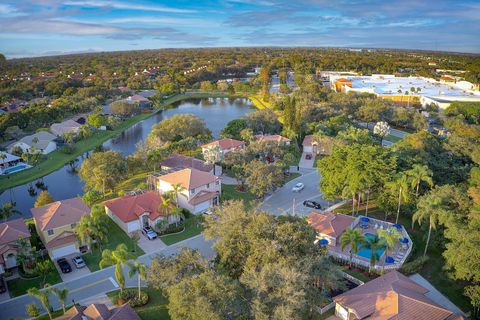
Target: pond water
point(65, 183)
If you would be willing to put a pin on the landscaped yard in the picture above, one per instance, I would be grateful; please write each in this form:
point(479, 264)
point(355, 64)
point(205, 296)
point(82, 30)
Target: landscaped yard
point(155, 309)
point(193, 227)
point(19, 286)
point(432, 270)
point(230, 192)
point(116, 236)
point(392, 138)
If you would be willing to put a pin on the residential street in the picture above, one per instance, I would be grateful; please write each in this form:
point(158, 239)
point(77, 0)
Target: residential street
point(281, 202)
point(99, 282)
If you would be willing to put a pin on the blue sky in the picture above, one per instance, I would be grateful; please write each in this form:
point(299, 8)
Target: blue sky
point(46, 27)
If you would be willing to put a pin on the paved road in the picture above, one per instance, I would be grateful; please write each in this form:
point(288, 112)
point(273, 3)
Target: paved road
point(394, 132)
point(282, 201)
point(99, 282)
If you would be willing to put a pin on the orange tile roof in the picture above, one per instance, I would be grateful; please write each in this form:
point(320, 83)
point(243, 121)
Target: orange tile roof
point(203, 196)
point(100, 311)
point(307, 141)
point(225, 144)
point(189, 178)
point(130, 208)
point(329, 223)
point(181, 161)
point(392, 296)
point(273, 138)
point(60, 213)
point(12, 230)
point(66, 237)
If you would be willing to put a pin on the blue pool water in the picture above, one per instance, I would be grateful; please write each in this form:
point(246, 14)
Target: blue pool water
point(367, 253)
point(18, 167)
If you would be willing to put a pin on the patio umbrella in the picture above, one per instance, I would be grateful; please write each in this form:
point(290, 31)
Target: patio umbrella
point(364, 219)
point(389, 259)
point(398, 226)
point(404, 240)
point(323, 242)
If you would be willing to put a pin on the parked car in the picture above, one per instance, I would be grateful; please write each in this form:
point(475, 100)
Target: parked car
point(298, 187)
point(64, 265)
point(208, 212)
point(312, 204)
point(3, 287)
point(149, 233)
point(78, 262)
point(308, 156)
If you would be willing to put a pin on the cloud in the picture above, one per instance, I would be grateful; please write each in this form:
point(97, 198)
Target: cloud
point(125, 6)
point(7, 10)
point(165, 20)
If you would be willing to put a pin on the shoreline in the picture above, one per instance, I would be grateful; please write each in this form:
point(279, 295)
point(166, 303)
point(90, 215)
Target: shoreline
point(57, 159)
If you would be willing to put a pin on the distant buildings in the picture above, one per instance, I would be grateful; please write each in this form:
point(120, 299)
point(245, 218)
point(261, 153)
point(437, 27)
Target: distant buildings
point(10, 232)
point(67, 126)
point(216, 150)
point(99, 311)
point(274, 138)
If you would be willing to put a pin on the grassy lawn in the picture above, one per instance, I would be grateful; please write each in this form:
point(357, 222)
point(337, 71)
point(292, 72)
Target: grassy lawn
point(193, 227)
point(155, 309)
point(19, 286)
point(133, 182)
point(115, 237)
point(327, 314)
point(392, 138)
point(432, 270)
point(230, 192)
point(356, 274)
point(291, 176)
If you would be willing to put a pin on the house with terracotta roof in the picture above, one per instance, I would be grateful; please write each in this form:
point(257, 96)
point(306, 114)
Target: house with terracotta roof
point(55, 224)
point(133, 212)
point(200, 190)
point(310, 145)
point(329, 225)
point(176, 162)
point(99, 311)
point(273, 138)
point(216, 150)
point(391, 296)
point(10, 232)
point(61, 128)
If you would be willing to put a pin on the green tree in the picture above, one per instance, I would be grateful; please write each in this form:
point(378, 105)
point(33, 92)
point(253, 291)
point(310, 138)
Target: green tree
point(262, 177)
point(233, 128)
point(354, 238)
point(419, 174)
point(178, 127)
point(43, 297)
point(118, 257)
point(32, 310)
point(43, 268)
point(62, 295)
point(264, 121)
point(390, 237)
point(124, 108)
point(374, 244)
point(139, 269)
point(402, 186)
point(43, 198)
point(7, 210)
point(93, 227)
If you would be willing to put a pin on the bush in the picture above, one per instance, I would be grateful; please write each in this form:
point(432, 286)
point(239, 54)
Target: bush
point(32, 310)
point(414, 266)
point(163, 228)
point(187, 214)
point(131, 296)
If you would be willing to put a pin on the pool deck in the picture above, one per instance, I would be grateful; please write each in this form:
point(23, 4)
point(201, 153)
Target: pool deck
point(24, 166)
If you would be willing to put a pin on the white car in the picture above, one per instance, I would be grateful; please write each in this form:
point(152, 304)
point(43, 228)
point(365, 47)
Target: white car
point(298, 187)
point(149, 233)
point(78, 262)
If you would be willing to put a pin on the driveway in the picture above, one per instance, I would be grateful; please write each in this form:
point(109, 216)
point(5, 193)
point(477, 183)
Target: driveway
point(149, 246)
point(305, 163)
point(76, 273)
point(283, 200)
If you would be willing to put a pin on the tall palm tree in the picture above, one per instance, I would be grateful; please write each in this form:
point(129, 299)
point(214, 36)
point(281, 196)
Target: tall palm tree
point(166, 206)
point(93, 227)
point(390, 237)
point(62, 295)
point(42, 296)
point(354, 238)
point(374, 244)
point(118, 257)
point(429, 208)
point(8, 210)
point(177, 188)
point(401, 184)
point(139, 269)
point(417, 174)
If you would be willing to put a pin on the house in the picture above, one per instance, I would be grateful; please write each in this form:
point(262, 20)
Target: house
point(55, 224)
point(99, 311)
point(67, 126)
point(391, 296)
point(10, 232)
point(329, 225)
point(201, 190)
point(133, 212)
point(274, 138)
point(43, 142)
point(216, 150)
point(178, 161)
point(143, 102)
point(8, 160)
point(310, 145)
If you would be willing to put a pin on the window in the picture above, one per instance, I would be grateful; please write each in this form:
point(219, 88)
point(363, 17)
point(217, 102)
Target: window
point(217, 182)
point(192, 191)
point(73, 225)
point(208, 185)
point(50, 232)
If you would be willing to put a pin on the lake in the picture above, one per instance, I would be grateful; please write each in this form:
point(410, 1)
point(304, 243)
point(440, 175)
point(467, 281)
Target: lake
point(65, 183)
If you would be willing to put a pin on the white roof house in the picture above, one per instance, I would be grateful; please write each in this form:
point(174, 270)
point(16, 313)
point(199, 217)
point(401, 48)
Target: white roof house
point(43, 142)
point(6, 158)
point(59, 129)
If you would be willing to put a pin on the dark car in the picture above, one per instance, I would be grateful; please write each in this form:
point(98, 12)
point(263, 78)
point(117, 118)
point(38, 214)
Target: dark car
point(312, 204)
point(3, 287)
point(64, 265)
point(308, 156)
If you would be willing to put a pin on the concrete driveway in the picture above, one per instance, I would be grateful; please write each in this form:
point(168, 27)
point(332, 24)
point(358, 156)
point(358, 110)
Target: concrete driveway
point(76, 273)
point(305, 163)
point(149, 246)
point(284, 200)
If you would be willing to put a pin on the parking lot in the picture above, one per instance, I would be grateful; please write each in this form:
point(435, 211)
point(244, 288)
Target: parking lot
point(76, 273)
point(284, 201)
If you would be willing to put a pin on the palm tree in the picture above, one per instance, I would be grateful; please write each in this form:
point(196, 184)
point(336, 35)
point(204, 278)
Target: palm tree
point(419, 173)
point(374, 244)
point(354, 238)
point(166, 206)
point(139, 269)
point(401, 184)
point(8, 210)
point(44, 268)
point(62, 295)
point(390, 237)
point(42, 296)
point(429, 208)
point(117, 257)
point(93, 227)
point(177, 188)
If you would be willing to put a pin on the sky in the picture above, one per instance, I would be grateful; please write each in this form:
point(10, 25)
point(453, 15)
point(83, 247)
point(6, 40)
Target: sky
point(51, 27)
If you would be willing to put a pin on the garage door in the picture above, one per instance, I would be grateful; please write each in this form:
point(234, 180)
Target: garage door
point(202, 206)
point(63, 251)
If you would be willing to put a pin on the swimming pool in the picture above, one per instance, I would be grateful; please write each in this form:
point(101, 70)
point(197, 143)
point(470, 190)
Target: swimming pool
point(367, 253)
point(18, 167)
